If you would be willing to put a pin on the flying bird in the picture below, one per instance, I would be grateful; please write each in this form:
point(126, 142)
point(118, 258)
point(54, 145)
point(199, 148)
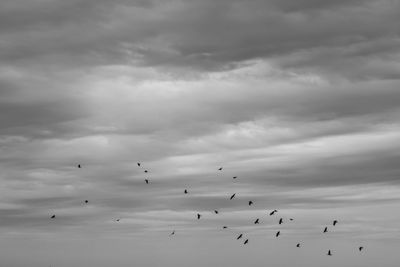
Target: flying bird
point(86, 201)
point(329, 253)
point(257, 221)
point(53, 216)
point(224, 227)
point(272, 212)
point(145, 171)
point(233, 196)
point(246, 241)
point(326, 229)
point(278, 233)
point(250, 203)
point(138, 164)
point(298, 245)
point(335, 222)
point(291, 219)
point(216, 211)
point(173, 232)
point(198, 216)
point(234, 177)
point(79, 166)
point(185, 191)
point(240, 236)
point(360, 248)
point(147, 181)
point(220, 169)
point(118, 220)
point(280, 221)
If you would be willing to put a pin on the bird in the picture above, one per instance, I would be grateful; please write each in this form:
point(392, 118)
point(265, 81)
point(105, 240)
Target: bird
point(278, 233)
point(335, 222)
point(234, 177)
point(240, 236)
point(220, 169)
point(198, 216)
point(173, 232)
point(147, 181)
point(118, 220)
point(280, 221)
point(246, 241)
point(329, 253)
point(291, 219)
point(185, 191)
point(272, 212)
point(216, 211)
point(360, 248)
point(257, 221)
point(86, 201)
point(138, 164)
point(224, 227)
point(145, 171)
point(79, 166)
point(53, 216)
point(298, 245)
point(250, 203)
point(326, 229)
point(233, 196)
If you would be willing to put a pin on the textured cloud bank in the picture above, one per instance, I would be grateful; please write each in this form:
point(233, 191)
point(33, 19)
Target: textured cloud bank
point(300, 100)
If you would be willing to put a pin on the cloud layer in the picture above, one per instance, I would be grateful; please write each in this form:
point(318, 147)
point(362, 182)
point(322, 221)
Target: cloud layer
point(300, 100)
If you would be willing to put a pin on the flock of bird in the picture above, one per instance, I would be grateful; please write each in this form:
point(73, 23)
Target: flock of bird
point(240, 236)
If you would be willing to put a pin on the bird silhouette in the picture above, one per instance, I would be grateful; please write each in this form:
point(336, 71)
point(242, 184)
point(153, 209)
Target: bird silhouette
point(79, 166)
point(86, 201)
point(278, 233)
point(329, 253)
point(53, 216)
point(335, 222)
point(216, 211)
point(326, 229)
point(185, 191)
point(250, 203)
point(246, 241)
point(232, 196)
point(220, 169)
point(360, 248)
point(118, 220)
point(257, 221)
point(145, 171)
point(280, 221)
point(198, 216)
point(291, 219)
point(138, 164)
point(147, 181)
point(234, 177)
point(173, 232)
point(240, 236)
point(273, 212)
point(224, 227)
point(298, 245)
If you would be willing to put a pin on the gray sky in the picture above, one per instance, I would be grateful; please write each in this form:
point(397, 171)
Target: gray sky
point(299, 99)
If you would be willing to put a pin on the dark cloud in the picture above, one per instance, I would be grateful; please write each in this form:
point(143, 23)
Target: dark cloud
point(36, 114)
point(345, 170)
point(305, 5)
point(205, 35)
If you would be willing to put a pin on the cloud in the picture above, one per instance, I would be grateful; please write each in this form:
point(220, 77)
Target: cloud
point(299, 100)
point(81, 33)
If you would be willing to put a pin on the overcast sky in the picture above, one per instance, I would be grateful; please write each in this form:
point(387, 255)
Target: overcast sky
point(298, 99)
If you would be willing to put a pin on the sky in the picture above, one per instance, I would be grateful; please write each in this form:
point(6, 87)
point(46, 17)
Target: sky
point(298, 99)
